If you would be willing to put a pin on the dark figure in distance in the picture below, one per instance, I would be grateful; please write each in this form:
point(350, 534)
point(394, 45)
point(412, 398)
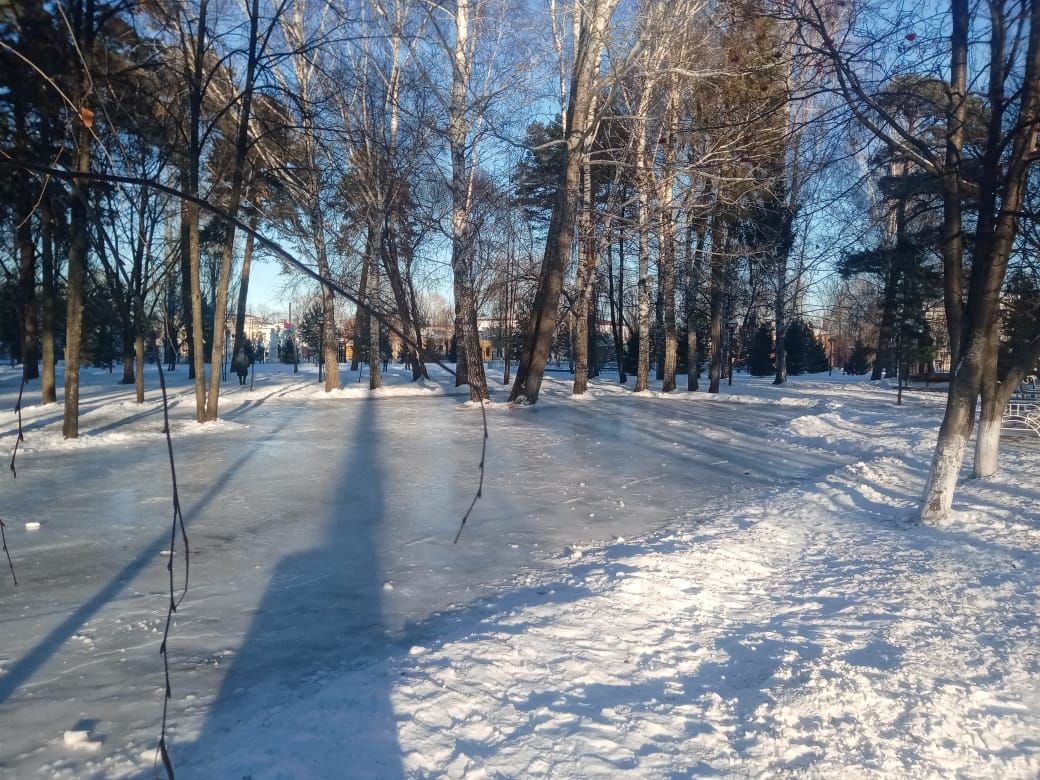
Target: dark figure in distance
point(240, 364)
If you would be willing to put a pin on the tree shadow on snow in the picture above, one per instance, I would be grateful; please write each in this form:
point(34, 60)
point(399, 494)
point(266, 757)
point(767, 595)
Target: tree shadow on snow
point(322, 611)
point(26, 667)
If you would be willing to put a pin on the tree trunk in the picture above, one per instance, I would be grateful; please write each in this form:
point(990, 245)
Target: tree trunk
point(196, 350)
point(330, 353)
point(667, 262)
point(139, 359)
point(78, 242)
point(461, 362)
point(470, 364)
point(375, 378)
point(995, 397)
point(28, 317)
point(694, 251)
point(25, 302)
point(658, 339)
point(952, 236)
point(419, 370)
point(666, 252)
point(994, 238)
point(715, 299)
point(239, 343)
point(361, 316)
point(883, 358)
point(392, 266)
point(128, 348)
point(191, 288)
point(780, 316)
point(951, 444)
point(643, 226)
point(615, 324)
point(48, 394)
point(587, 49)
point(991, 412)
point(586, 270)
point(234, 201)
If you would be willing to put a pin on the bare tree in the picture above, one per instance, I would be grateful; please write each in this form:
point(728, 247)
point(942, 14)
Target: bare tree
point(592, 20)
point(995, 182)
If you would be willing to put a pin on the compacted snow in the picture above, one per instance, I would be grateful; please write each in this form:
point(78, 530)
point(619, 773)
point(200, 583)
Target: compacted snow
point(653, 585)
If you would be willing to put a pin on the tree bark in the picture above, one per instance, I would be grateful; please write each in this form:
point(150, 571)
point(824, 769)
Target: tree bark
point(1002, 191)
point(234, 201)
point(667, 263)
point(991, 411)
point(996, 392)
point(952, 236)
point(77, 268)
point(392, 266)
point(586, 270)
point(361, 316)
point(48, 394)
point(191, 286)
point(643, 228)
point(588, 46)
point(330, 352)
point(239, 343)
point(715, 298)
point(375, 378)
point(25, 303)
point(694, 254)
point(463, 238)
point(139, 345)
point(615, 320)
point(780, 318)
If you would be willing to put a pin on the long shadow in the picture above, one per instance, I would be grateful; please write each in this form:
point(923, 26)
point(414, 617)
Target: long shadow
point(25, 667)
point(43, 422)
point(322, 613)
point(740, 462)
point(116, 424)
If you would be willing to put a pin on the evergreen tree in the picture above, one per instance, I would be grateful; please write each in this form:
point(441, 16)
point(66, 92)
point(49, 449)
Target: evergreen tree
point(760, 354)
point(859, 361)
point(1021, 319)
point(537, 174)
point(805, 353)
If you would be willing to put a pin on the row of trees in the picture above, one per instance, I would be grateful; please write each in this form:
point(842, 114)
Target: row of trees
point(704, 176)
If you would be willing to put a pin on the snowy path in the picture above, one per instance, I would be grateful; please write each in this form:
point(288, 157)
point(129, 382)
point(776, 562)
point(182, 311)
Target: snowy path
point(321, 534)
point(753, 646)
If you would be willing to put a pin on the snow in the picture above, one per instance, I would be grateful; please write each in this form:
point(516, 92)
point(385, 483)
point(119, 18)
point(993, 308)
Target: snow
point(652, 585)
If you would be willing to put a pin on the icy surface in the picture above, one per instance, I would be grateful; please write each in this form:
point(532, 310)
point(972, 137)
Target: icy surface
point(654, 585)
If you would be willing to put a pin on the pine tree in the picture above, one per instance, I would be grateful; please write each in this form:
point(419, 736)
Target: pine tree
point(805, 353)
point(760, 355)
point(859, 360)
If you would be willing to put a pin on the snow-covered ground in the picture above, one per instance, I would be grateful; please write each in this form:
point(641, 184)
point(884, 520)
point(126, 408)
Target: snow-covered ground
point(652, 586)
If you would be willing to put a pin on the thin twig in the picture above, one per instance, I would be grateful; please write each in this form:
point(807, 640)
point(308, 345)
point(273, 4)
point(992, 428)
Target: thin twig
point(17, 441)
point(10, 563)
point(174, 602)
point(21, 437)
point(480, 485)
